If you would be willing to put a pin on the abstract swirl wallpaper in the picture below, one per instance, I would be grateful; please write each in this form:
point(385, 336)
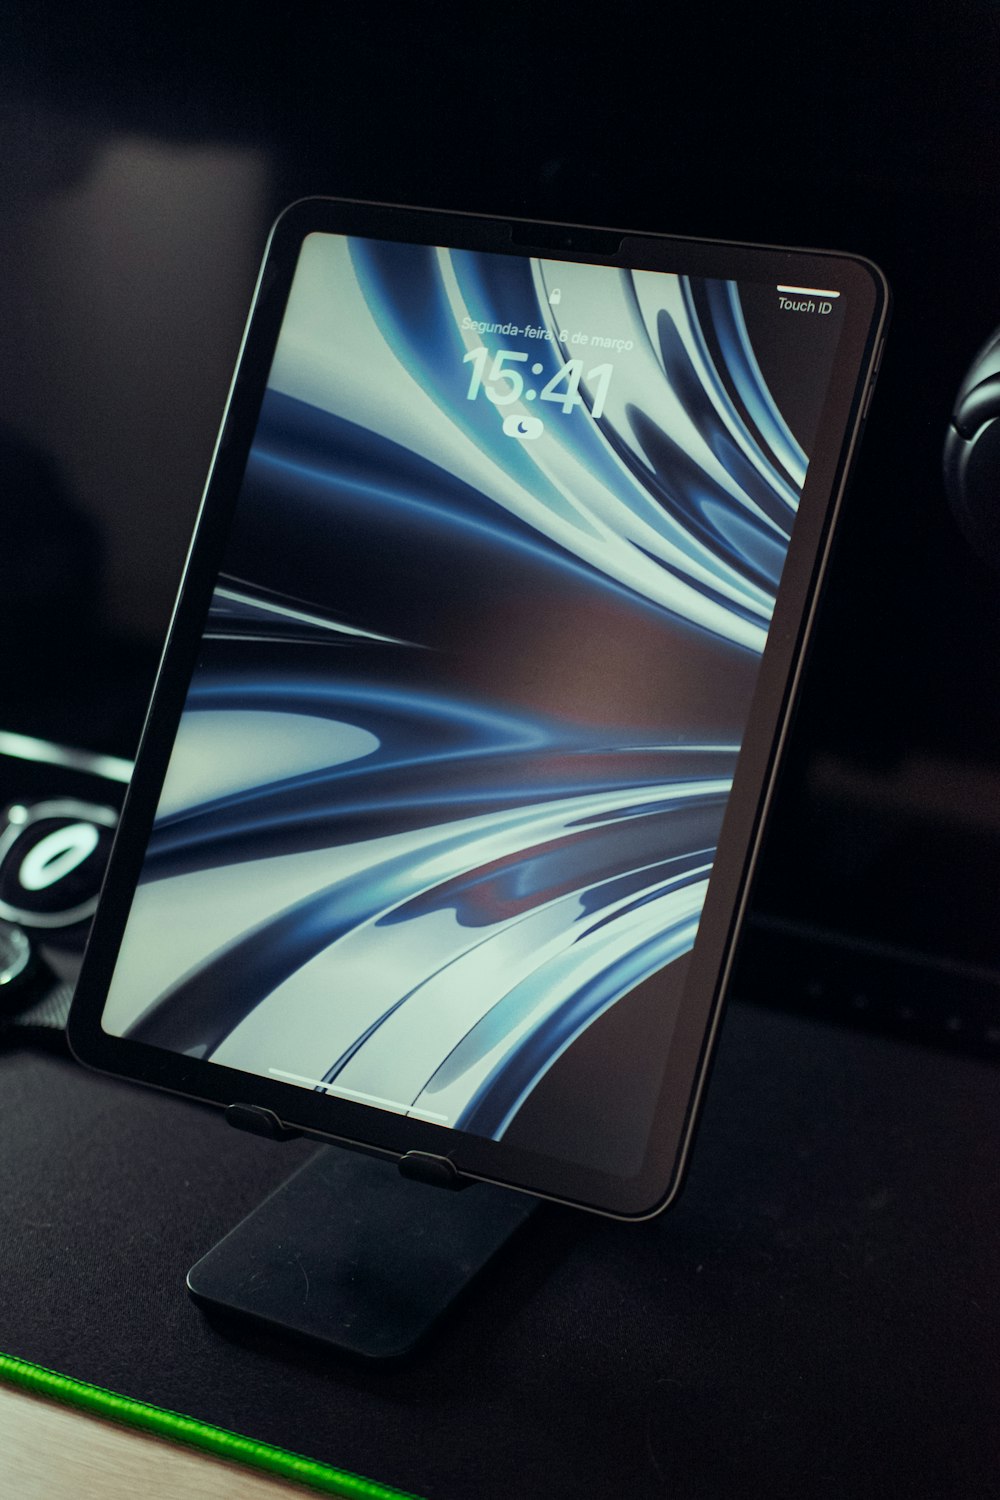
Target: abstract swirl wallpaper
point(450, 774)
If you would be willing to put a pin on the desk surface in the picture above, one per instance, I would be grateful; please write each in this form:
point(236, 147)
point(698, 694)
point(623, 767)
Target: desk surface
point(52, 1453)
point(819, 1314)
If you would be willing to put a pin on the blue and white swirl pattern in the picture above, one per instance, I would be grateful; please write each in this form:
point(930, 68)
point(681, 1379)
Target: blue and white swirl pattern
point(451, 771)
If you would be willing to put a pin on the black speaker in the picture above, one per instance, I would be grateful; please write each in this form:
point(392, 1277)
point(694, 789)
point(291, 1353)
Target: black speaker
point(58, 812)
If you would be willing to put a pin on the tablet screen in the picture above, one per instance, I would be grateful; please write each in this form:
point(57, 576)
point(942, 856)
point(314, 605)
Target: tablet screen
point(442, 807)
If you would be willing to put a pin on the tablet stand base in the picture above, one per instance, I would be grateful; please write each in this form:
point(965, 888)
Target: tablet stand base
point(352, 1254)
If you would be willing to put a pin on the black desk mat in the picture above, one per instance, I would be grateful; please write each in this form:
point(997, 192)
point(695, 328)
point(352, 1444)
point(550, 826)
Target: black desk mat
point(817, 1316)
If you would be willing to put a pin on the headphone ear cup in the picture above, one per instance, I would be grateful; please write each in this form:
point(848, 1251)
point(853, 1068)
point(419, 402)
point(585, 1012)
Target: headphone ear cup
point(972, 455)
point(972, 479)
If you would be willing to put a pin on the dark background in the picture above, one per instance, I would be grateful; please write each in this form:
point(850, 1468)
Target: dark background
point(142, 159)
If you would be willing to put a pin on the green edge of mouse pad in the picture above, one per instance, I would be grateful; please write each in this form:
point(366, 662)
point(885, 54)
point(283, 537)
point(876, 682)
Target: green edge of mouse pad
point(179, 1429)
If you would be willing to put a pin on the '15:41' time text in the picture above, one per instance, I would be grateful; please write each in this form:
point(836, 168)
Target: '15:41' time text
point(505, 382)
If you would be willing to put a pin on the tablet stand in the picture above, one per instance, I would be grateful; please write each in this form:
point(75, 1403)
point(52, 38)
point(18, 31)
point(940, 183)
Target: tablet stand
point(353, 1254)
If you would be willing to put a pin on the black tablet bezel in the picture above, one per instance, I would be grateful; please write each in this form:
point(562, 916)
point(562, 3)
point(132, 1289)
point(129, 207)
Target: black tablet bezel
point(685, 1070)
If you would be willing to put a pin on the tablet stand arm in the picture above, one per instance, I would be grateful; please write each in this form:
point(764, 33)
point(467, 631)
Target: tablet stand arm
point(357, 1252)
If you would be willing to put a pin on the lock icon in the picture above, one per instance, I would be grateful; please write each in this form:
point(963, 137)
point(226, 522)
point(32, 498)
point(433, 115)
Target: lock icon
point(555, 297)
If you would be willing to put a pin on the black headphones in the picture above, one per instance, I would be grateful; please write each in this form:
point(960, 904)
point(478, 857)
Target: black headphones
point(972, 454)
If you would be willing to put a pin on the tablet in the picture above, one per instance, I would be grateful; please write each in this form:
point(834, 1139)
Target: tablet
point(447, 805)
